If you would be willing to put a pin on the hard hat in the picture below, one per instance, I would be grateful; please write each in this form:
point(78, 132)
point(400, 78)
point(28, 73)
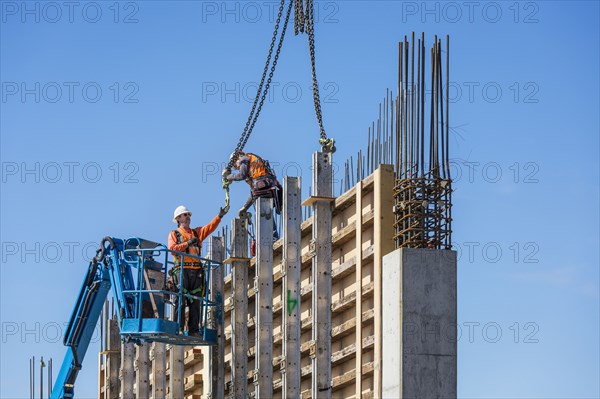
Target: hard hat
point(180, 210)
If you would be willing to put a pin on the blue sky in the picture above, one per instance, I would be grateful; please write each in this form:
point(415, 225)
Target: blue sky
point(113, 113)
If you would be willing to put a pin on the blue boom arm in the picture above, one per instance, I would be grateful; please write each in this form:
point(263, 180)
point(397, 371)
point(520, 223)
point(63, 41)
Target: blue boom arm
point(128, 268)
point(80, 329)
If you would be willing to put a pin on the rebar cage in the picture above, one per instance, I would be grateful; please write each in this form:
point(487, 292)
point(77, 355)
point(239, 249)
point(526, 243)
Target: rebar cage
point(422, 209)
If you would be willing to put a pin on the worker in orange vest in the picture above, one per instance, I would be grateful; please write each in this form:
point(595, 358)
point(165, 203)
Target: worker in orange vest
point(260, 177)
point(188, 240)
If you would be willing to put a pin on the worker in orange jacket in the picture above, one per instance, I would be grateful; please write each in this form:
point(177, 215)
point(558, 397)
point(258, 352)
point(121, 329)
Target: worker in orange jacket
point(260, 177)
point(188, 240)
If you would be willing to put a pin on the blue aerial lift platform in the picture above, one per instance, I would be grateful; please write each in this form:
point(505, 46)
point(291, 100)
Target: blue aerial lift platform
point(132, 269)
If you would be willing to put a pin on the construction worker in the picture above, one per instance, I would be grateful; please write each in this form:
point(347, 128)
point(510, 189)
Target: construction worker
point(188, 240)
point(260, 177)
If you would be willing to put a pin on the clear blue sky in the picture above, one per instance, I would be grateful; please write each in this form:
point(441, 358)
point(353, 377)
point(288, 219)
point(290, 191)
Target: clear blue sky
point(175, 79)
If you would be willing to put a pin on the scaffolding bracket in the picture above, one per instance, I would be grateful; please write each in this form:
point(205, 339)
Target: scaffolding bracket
point(312, 349)
point(312, 248)
point(255, 376)
point(282, 365)
point(310, 201)
point(255, 285)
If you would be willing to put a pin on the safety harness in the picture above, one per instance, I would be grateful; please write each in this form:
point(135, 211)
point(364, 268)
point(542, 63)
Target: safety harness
point(181, 240)
point(200, 291)
point(260, 175)
point(259, 167)
point(262, 180)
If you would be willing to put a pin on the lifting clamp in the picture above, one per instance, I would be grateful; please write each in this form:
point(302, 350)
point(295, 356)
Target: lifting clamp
point(327, 144)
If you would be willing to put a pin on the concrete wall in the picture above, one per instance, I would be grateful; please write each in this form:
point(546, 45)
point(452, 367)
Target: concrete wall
point(419, 326)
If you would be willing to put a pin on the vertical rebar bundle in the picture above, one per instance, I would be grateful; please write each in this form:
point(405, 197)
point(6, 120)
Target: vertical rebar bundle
point(423, 190)
point(412, 134)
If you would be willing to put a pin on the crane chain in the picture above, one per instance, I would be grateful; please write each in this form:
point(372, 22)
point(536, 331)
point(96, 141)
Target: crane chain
point(299, 17)
point(268, 85)
point(254, 112)
point(303, 22)
point(307, 22)
point(260, 93)
point(310, 27)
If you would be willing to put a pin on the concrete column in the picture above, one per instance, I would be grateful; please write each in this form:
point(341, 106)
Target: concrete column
point(292, 219)
point(383, 233)
point(264, 298)
point(158, 356)
point(113, 360)
point(127, 373)
point(239, 314)
point(217, 353)
point(176, 381)
point(321, 275)
point(142, 374)
point(359, 299)
point(176, 365)
point(419, 330)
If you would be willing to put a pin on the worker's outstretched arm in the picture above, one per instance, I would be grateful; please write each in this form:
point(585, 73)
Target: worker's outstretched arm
point(205, 231)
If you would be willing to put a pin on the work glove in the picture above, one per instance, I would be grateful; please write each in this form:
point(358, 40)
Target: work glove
point(225, 173)
point(223, 211)
point(192, 241)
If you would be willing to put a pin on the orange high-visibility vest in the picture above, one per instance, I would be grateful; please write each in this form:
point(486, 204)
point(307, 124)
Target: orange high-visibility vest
point(257, 167)
point(188, 262)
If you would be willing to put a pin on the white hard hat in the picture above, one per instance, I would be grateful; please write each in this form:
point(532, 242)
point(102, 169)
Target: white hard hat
point(180, 210)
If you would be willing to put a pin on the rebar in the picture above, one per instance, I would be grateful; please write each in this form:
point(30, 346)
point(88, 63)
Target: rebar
point(423, 185)
point(423, 188)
